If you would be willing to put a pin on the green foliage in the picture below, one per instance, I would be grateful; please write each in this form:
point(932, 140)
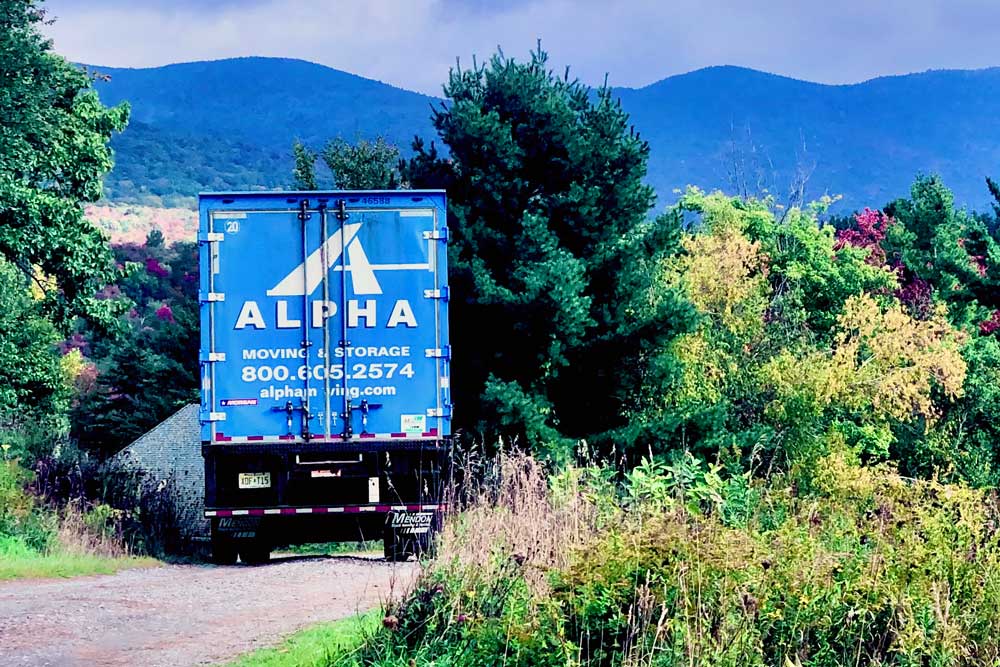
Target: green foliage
point(364, 165)
point(318, 646)
point(304, 173)
point(866, 568)
point(151, 370)
point(34, 384)
point(456, 620)
point(871, 570)
point(548, 215)
point(949, 248)
point(800, 345)
point(53, 157)
point(24, 527)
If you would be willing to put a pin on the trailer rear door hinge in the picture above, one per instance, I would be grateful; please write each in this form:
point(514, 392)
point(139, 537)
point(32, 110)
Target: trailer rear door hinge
point(212, 357)
point(208, 297)
point(210, 237)
point(442, 293)
point(438, 352)
point(437, 234)
point(213, 416)
point(439, 412)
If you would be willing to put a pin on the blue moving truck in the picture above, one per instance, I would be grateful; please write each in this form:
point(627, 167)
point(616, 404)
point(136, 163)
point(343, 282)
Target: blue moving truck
point(325, 375)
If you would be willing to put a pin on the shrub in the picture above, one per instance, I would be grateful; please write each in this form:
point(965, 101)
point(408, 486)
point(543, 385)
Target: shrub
point(23, 526)
point(864, 568)
point(872, 569)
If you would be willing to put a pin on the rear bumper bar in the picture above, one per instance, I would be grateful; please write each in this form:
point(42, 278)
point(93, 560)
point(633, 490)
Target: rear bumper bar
point(341, 509)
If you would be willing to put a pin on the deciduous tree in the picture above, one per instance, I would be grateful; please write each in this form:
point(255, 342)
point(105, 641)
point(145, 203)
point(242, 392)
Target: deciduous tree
point(54, 153)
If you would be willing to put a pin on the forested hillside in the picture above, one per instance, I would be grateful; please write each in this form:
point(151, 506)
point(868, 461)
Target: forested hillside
point(229, 125)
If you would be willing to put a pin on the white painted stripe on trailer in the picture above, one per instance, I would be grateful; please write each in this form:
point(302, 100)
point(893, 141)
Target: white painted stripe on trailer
point(376, 437)
point(314, 510)
point(389, 267)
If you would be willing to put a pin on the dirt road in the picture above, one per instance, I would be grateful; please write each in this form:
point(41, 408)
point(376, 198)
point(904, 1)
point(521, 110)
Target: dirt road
point(180, 615)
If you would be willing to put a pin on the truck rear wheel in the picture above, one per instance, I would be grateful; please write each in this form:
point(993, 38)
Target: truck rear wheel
point(223, 549)
point(395, 546)
point(255, 552)
point(399, 546)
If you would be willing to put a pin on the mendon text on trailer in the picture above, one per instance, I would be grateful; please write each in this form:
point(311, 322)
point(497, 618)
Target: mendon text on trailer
point(325, 368)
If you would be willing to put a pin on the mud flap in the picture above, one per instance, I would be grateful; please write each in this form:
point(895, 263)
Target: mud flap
point(408, 534)
point(239, 527)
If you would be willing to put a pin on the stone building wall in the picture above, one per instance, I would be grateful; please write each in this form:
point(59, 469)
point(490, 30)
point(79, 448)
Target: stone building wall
point(171, 451)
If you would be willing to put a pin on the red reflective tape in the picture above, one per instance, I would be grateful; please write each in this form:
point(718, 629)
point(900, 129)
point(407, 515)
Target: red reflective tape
point(382, 508)
point(219, 437)
point(352, 509)
point(286, 437)
point(255, 437)
point(256, 512)
point(366, 435)
point(397, 435)
point(319, 510)
point(223, 513)
point(433, 432)
point(288, 510)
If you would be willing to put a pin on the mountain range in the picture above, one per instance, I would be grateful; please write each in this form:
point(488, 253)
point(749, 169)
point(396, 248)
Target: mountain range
point(229, 124)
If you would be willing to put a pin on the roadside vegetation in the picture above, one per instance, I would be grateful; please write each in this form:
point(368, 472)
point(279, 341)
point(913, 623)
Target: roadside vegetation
point(754, 433)
point(37, 541)
point(316, 646)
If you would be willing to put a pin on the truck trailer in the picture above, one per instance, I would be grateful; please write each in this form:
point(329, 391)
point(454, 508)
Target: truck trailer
point(325, 374)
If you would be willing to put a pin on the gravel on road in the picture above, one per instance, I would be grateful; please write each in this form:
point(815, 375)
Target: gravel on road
point(181, 615)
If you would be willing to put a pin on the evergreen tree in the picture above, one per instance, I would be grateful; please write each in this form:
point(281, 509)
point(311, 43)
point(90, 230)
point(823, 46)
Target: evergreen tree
point(550, 247)
point(994, 189)
point(304, 172)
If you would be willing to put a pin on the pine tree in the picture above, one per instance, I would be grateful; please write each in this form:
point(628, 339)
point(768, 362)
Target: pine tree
point(551, 246)
point(304, 172)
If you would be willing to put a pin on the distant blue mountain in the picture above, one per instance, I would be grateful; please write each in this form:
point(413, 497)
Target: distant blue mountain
point(229, 124)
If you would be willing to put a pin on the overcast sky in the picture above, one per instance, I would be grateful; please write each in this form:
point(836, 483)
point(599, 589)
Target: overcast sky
point(412, 43)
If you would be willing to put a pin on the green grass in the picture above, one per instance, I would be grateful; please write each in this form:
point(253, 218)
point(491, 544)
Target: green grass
point(17, 561)
point(317, 646)
point(323, 548)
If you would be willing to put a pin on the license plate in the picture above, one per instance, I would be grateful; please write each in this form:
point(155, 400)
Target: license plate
point(255, 480)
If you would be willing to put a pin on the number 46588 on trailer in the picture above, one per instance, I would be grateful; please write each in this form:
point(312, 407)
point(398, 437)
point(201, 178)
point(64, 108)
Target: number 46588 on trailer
point(325, 368)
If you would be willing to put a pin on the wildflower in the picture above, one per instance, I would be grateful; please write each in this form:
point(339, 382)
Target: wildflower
point(165, 313)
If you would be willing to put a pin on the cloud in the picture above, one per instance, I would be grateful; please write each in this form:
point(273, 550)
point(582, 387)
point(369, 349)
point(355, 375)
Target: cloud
point(412, 44)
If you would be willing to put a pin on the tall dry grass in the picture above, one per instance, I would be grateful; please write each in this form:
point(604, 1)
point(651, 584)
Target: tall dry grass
point(82, 533)
point(506, 510)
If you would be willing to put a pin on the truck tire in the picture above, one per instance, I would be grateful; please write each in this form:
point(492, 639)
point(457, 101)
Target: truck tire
point(255, 552)
point(396, 546)
point(223, 550)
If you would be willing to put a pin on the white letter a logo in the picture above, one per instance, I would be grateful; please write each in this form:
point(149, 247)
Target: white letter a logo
point(302, 281)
